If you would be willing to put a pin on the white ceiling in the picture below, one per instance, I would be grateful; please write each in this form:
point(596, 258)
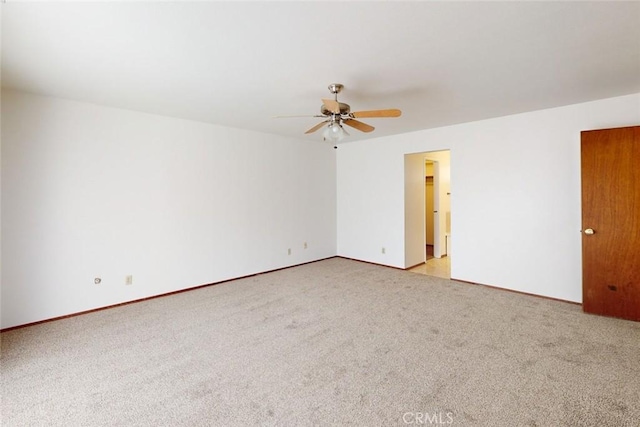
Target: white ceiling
point(238, 64)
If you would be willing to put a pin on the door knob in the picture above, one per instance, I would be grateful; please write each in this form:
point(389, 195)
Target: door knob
point(589, 231)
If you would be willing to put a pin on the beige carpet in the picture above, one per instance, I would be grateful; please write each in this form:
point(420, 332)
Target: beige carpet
point(336, 342)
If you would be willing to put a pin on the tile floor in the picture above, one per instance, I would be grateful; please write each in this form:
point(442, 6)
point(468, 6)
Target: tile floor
point(439, 267)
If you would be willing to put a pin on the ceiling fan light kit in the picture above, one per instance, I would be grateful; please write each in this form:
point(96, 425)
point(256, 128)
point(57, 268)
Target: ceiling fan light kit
point(334, 132)
point(338, 113)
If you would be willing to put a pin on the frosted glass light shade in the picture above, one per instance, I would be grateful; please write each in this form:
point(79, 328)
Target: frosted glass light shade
point(333, 132)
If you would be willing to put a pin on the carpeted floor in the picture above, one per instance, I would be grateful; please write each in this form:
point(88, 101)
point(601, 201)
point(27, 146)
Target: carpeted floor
point(336, 342)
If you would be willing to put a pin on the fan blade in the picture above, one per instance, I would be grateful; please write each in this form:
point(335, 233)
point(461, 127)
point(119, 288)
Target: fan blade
point(358, 125)
point(316, 127)
point(331, 105)
point(392, 112)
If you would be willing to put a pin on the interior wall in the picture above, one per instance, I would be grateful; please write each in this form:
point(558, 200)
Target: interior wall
point(89, 191)
point(515, 196)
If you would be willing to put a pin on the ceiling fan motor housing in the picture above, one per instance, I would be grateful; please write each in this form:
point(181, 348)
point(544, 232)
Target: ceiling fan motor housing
point(344, 109)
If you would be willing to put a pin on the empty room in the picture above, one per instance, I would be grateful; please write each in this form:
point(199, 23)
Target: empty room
point(320, 213)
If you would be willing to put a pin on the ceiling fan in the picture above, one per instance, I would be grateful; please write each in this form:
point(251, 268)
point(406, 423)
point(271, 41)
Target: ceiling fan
point(338, 113)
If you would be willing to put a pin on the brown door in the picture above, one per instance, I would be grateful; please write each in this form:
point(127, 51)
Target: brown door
point(611, 222)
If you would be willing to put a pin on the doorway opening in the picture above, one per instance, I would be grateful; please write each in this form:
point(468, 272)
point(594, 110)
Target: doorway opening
point(428, 212)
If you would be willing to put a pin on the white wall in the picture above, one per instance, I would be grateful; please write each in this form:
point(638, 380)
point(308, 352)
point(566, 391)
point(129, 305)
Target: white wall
point(515, 202)
point(89, 191)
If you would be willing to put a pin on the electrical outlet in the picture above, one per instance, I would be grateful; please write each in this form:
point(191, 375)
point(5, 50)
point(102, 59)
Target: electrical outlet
point(384, 251)
point(305, 245)
point(97, 280)
point(289, 251)
point(128, 280)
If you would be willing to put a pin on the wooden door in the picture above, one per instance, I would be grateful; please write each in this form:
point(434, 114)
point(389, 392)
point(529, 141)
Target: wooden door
point(611, 222)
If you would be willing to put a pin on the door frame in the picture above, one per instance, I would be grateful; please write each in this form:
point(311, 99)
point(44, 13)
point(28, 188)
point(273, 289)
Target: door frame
point(414, 204)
